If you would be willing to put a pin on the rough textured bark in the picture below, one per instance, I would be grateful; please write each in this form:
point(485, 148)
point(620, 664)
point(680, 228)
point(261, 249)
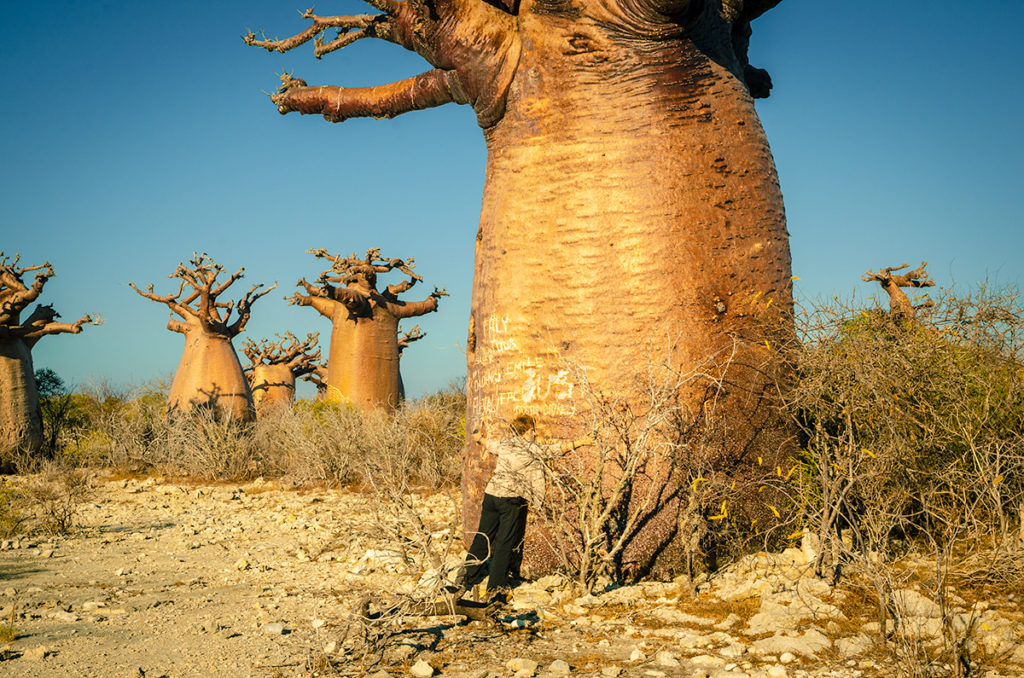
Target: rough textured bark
point(274, 367)
point(20, 422)
point(362, 364)
point(209, 374)
point(631, 202)
point(900, 307)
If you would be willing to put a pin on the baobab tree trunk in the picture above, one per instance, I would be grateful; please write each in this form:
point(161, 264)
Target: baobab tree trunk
point(631, 211)
point(21, 425)
point(625, 210)
point(209, 374)
point(362, 367)
point(273, 388)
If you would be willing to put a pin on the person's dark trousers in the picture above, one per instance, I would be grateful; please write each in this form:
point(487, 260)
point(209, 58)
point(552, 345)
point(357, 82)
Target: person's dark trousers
point(501, 530)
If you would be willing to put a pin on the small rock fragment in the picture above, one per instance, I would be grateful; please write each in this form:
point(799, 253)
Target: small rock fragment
point(559, 667)
point(611, 671)
point(242, 564)
point(787, 658)
point(666, 658)
point(36, 653)
point(422, 669)
point(274, 628)
point(521, 664)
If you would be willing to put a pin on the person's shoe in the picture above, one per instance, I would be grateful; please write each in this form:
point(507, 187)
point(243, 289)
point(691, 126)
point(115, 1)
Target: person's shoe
point(502, 596)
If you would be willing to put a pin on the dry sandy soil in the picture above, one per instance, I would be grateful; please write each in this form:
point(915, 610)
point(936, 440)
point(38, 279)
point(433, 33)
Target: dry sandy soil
point(165, 579)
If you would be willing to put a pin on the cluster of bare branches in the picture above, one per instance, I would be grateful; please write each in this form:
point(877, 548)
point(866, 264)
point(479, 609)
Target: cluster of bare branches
point(200, 306)
point(352, 281)
point(16, 296)
point(652, 463)
point(288, 350)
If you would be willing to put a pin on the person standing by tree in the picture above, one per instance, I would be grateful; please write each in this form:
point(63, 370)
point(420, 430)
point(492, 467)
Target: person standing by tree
point(516, 484)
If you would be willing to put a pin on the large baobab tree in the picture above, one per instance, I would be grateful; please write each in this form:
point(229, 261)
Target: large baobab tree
point(631, 201)
point(362, 364)
point(275, 365)
point(209, 374)
point(20, 422)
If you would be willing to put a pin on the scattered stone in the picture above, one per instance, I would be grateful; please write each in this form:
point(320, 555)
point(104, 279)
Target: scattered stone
point(331, 647)
point(61, 615)
point(611, 671)
point(778, 672)
point(854, 646)
point(913, 604)
point(274, 628)
point(242, 564)
point(521, 664)
point(666, 658)
point(380, 674)
point(319, 623)
point(637, 655)
point(36, 653)
point(787, 658)
point(422, 669)
point(559, 667)
point(46, 553)
point(10, 592)
point(92, 605)
point(811, 642)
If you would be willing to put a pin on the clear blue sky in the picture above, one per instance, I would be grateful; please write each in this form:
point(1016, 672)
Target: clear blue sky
point(134, 133)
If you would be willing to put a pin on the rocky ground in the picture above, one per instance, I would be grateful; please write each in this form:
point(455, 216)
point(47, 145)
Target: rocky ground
point(165, 579)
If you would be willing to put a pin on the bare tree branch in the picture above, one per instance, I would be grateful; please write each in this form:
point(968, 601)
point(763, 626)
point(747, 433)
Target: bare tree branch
point(337, 104)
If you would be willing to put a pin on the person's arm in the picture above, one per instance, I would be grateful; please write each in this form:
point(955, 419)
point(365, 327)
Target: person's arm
point(569, 447)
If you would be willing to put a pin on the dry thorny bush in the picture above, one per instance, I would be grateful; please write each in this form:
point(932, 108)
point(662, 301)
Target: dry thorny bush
point(912, 438)
point(653, 453)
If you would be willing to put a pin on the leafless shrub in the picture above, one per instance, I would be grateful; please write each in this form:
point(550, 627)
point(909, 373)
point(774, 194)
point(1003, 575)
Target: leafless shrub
point(652, 455)
point(913, 444)
point(55, 496)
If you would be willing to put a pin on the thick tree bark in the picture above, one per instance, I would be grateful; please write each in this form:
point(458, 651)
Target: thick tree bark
point(21, 425)
point(210, 376)
point(631, 206)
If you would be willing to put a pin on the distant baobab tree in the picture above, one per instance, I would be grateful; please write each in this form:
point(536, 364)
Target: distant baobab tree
point(900, 306)
point(404, 339)
point(209, 374)
point(21, 425)
point(362, 364)
point(275, 365)
point(631, 209)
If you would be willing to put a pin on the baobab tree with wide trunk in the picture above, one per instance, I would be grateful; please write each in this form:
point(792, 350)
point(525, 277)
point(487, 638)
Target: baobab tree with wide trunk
point(209, 374)
point(631, 208)
point(21, 426)
point(362, 363)
point(275, 365)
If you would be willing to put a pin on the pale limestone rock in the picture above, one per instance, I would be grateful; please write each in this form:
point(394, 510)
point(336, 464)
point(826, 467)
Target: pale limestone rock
point(854, 646)
point(559, 667)
point(811, 642)
point(666, 658)
point(910, 603)
point(518, 664)
point(422, 669)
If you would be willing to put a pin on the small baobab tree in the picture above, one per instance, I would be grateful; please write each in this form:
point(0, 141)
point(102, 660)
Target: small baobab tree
point(20, 421)
point(404, 339)
point(900, 306)
point(275, 365)
point(362, 364)
point(209, 374)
